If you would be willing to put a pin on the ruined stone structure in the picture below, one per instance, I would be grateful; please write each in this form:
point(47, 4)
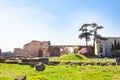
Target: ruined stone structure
point(34, 49)
point(17, 51)
point(44, 49)
point(57, 50)
point(37, 48)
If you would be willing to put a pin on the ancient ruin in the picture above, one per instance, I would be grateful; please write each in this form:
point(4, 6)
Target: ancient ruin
point(44, 49)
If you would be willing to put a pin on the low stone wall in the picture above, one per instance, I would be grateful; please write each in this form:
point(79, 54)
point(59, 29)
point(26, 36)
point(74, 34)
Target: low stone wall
point(2, 60)
point(45, 60)
point(91, 63)
point(84, 63)
point(54, 63)
point(41, 59)
point(25, 61)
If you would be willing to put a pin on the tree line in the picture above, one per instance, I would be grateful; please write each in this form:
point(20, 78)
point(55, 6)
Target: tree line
point(115, 46)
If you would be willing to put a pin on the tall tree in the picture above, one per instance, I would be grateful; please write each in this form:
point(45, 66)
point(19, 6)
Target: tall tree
point(85, 33)
point(112, 47)
point(115, 45)
point(118, 46)
point(95, 33)
point(95, 29)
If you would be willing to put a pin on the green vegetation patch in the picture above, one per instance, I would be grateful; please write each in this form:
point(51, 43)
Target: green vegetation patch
point(60, 72)
point(69, 57)
point(79, 58)
point(72, 57)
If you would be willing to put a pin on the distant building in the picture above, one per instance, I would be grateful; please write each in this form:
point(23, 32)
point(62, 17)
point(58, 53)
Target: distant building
point(103, 45)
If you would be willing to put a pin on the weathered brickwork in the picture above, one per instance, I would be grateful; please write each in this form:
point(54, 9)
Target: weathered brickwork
point(42, 49)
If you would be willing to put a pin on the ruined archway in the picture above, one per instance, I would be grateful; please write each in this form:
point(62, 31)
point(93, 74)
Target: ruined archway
point(56, 51)
point(40, 53)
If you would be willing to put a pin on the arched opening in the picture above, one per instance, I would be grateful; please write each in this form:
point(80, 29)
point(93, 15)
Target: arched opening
point(56, 51)
point(40, 53)
point(70, 50)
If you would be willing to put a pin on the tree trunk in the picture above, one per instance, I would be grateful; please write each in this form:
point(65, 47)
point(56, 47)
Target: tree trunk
point(86, 41)
point(94, 40)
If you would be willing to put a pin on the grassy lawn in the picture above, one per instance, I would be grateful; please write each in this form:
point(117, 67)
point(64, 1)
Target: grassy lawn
point(63, 72)
point(60, 72)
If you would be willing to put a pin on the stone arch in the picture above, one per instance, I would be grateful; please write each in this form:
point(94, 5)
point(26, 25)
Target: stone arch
point(56, 51)
point(40, 53)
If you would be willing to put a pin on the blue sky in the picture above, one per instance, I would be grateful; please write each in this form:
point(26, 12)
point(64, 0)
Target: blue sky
point(22, 21)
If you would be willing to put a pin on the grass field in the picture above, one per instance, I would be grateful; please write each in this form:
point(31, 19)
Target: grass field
point(60, 72)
